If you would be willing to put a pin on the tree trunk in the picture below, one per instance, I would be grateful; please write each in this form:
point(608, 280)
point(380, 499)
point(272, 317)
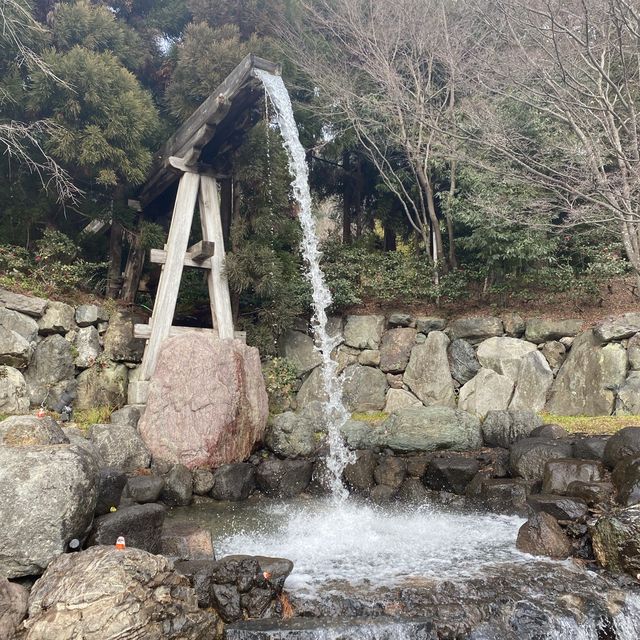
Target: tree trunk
point(453, 260)
point(347, 237)
point(358, 187)
point(390, 243)
point(114, 274)
point(133, 270)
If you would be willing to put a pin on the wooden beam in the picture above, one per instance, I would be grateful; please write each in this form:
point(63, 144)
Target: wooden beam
point(209, 205)
point(169, 285)
point(159, 256)
point(143, 331)
point(202, 250)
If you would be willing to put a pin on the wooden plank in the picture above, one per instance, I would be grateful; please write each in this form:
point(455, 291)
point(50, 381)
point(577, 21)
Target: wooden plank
point(143, 331)
point(209, 205)
point(202, 250)
point(167, 294)
point(159, 256)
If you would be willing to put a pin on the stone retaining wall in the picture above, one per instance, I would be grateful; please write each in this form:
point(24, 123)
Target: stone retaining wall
point(53, 354)
point(478, 364)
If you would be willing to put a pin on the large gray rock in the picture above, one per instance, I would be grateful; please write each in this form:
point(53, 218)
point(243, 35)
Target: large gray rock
point(14, 396)
point(119, 342)
point(58, 318)
point(451, 474)
point(87, 314)
point(542, 329)
point(364, 388)
point(22, 324)
point(462, 361)
point(514, 325)
point(363, 332)
point(428, 374)
point(504, 428)
point(618, 328)
point(283, 478)
point(395, 349)
point(504, 355)
point(312, 389)
point(29, 305)
point(429, 429)
point(233, 482)
point(563, 508)
point(130, 414)
point(628, 400)
point(107, 594)
point(299, 349)
point(144, 489)
point(13, 607)
point(29, 430)
point(625, 442)
point(633, 352)
point(207, 402)
point(15, 351)
point(487, 391)
point(47, 498)
point(301, 434)
point(475, 329)
point(359, 435)
point(427, 324)
point(541, 535)
point(51, 369)
point(626, 478)
point(178, 487)
point(119, 446)
point(559, 474)
point(529, 457)
point(555, 354)
point(616, 541)
point(585, 381)
point(87, 345)
point(533, 383)
point(102, 385)
point(400, 399)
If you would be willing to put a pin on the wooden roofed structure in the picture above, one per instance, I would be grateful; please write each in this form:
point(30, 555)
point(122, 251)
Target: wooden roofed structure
point(186, 172)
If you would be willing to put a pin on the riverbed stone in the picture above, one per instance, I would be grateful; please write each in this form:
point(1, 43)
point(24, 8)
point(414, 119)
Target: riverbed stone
point(616, 540)
point(626, 479)
point(628, 398)
point(233, 482)
point(505, 427)
point(541, 535)
point(107, 594)
point(390, 471)
point(202, 416)
point(364, 332)
point(13, 607)
point(593, 493)
point(364, 388)
point(562, 508)
point(119, 446)
point(427, 373)
point(504, 355)
point(178, 487)
point(102, 385)
point(15, 351)
point(186, 541)
point(202, 481)
point(47, 497)
point(541, 330)
point(429, 429)
point(618, 327)
point(625, 442)
point(29, 305)
point(299, 348)
point(110, 484)
point(297, 434)
point(499, 495)
point(529, 457)
point(451, 474)
point(395, 349)
point(584, 383)
point(463, 361)
point(14, 395)
point(358, 475)
point(23, 431)
point(533, 383)
point(590, 447)
point(487, 391)
point(514, 325)
point(552, 432)
point(283, 478)
point(87, 345)
point(559, 474)
point(475, 329)
point(397, 399)
point(58, 318)
point(145, 488)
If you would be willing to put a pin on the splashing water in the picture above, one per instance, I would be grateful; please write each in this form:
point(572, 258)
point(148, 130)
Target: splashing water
point(337, 415)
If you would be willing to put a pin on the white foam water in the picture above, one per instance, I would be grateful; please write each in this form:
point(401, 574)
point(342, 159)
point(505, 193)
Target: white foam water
point(337, 415)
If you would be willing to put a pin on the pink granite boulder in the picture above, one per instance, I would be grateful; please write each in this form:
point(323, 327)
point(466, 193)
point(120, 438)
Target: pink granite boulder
point(207, 402)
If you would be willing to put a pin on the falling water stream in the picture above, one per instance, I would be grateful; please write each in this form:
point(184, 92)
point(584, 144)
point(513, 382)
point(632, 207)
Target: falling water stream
point(336, 413)
point(353, 560)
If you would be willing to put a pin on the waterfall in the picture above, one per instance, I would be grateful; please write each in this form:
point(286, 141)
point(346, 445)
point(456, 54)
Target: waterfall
point(336, 413)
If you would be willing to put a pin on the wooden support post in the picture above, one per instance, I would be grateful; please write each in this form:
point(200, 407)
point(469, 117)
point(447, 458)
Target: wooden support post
point(209, 204)
point(167, 294)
